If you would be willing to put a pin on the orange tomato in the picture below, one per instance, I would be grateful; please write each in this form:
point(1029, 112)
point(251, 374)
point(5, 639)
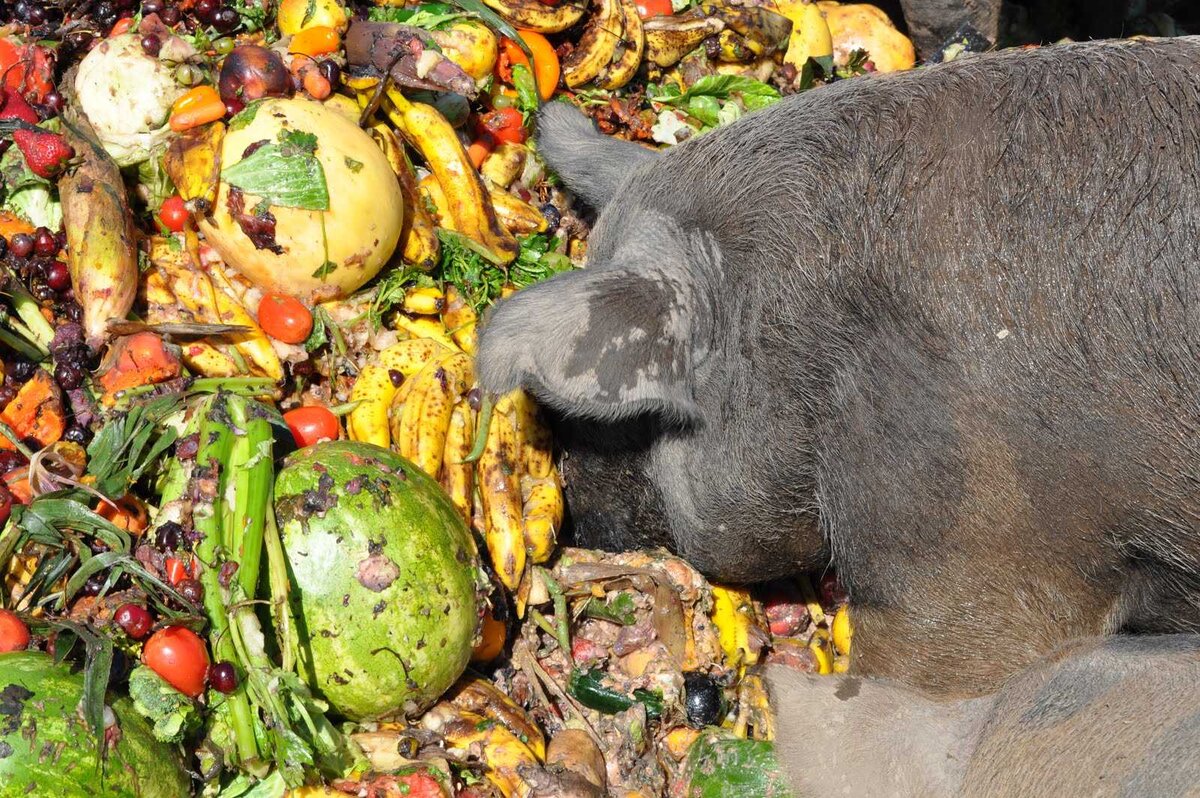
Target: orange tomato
point(315, 41)
point(178, 655)
point(14, 634)
point(546, 69)
point(129, 514)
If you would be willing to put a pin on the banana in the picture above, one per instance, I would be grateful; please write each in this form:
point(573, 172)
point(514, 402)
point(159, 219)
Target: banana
point(810, 36)
point(420, 430)
point(596, 47)
point(460, 320)
point(429, 327)
point(842, 630)
point(458, 478)
point(253, 345)
point(368, 421)
point(543, 515)
point(419, 242)
point(733, 48)
point(468, 203)
point(732, 614)
point(763, 31)
point(538, 16)
point(628, 56)
point(500, 493)
point(823, 657)
point(669, 38)
point(517, 215)
point(503, 754)
point(505, 163)
point(537, 457)
point(478, 695)
point(409, 357)
point(193, 162)
point(423, 300)
point(163, 307)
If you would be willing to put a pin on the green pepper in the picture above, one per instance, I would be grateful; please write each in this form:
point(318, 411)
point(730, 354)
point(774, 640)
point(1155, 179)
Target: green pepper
point(586, 688)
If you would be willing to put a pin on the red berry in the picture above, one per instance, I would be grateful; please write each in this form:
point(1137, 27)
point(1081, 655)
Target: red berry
point(45, 243)
point(191, 590)
point(58, 276)
point(46, 153)
point(21, 245)
point(174, 214)
point(134, 619)
point(13, 106)
point(223, 677)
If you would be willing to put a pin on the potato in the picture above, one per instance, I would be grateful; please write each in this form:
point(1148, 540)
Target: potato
point(861, 26)
point(314, 255)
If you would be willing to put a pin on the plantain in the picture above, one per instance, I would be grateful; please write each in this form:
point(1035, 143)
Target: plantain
point(193, 162)
point(536, 454)
point(418, 237)
point(458, 477)
point(430, 327)
point(669, 38)
point(460, 320)
point(500, 492)
point(101, 248)
point(538, 16)
point(420, 428)
point(628, 54)
point(517, 215)
point(368, 420)
point(409, 357)
point(596, 47)
point(480, 696)
point(542, 515)
point(423, 300)
point(732, 614)
point(502, 753)
point(468, 205)
point(253, 345)
point(504, 164)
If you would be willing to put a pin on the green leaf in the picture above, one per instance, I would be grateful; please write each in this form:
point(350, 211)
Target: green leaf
point(528, 99)
point(286, 173)
point(619, 610)
point(704, 108)
point(325, 269)
point(754, 93)
point(429, 16)
point(244, 117)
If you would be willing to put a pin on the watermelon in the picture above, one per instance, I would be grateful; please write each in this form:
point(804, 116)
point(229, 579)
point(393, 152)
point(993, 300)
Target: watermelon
point(720, 765)
point(385, 579)
point(46, 747)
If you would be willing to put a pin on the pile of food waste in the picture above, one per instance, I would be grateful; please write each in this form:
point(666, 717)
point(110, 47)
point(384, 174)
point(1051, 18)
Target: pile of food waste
point(262, 533)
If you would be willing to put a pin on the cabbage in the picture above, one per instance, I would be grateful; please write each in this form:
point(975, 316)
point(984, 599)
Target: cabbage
point(33, 198)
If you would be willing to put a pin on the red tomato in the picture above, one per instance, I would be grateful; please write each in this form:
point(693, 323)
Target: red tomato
point(174, 214)
point(179, 657)
point(504, 124)
point(9, 56)
point(654, 8)
point(284, 318)
point(312, 424)
point(14, 634)
point(420, 785)
point(177, 571)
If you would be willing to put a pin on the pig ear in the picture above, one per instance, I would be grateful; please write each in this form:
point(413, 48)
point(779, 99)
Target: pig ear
point(592, 165)
point(604, 345)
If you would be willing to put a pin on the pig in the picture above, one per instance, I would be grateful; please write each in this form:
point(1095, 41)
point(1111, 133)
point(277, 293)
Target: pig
point(1115, 716)
point(937, 329)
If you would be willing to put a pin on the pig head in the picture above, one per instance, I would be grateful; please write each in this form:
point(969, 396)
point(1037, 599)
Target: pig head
point(1117, 716)
point(940, 329)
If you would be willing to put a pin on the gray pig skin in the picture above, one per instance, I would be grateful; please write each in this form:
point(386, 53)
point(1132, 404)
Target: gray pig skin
point(1117, 716)
point(937, 328)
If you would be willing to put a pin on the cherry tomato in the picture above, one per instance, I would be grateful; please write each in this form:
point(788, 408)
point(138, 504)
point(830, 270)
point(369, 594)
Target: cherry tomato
point(312, 424)
point(179, 657)
point(504, 124)
point(174, 214)
point(654, 8)
point(134, 619)
point(284, 318)
point(14, 634)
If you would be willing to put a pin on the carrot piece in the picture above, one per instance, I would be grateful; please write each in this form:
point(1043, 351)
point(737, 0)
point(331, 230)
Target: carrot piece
point(17, 482)
point(480, 148)
point(140, 359)
point(315, 41)
point(198, 106)
point(35, 412)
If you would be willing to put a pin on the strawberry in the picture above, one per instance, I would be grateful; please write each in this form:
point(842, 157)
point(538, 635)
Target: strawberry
point(46, 153)
point(13, 106)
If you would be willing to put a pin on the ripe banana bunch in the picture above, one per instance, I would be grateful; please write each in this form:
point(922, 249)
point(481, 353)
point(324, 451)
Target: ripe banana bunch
point(486, 734)
point(177, 290)
point(416, 397)
point(735, 617)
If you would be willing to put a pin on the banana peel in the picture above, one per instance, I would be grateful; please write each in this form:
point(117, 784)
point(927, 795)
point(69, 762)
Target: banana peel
point(193, 162)
point(810, 36)
point(538, 16)
point(669, 38)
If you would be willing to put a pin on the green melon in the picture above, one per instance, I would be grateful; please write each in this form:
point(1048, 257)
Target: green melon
point(385, 579)
point(720, 765)
point(47, 749)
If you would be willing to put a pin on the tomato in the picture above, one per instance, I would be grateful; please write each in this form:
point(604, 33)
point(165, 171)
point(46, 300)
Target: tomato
point(312, 424)
point(654, 8)
point(480, 149)
point(178, 655)
point(14, 634)
point(174, 214)
point(504, 124)
point(177, 571)
point(420, 785)
point(284, 318)
point(9, 56)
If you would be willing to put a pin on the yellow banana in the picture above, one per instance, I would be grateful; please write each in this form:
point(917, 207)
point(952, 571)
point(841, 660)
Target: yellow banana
point(419, 242)
point(537, 455)
point(732, 614)
point(500, 492)
point(420, 430)
point(460, 320)
point(193, 162)
point(429, 327)
point(458, 478)
point(810, 37)
point(842, 631)
point(503, 754)
point(254, 345)
point(468, 203)
point(478, 695)
point(409, 357)
point(505, 163)
point(670, 37)
point(543, 515)
point(517, 215)
point(368, 421)
point(595, 49)
point(162, 306)
point(823, 657)
point(538, 16)
point(423, 300)
point(629, 49)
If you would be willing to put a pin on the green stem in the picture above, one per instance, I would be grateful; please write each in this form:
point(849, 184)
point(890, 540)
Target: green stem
point(40, 331)
point(239, 386)
point(253, 464)
point(280, 585)
point(561, 621)
point(21, 344)
point(481, 429)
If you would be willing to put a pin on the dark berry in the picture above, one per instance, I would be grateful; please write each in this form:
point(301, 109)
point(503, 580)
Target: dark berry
point(191, 590)
point(21, 370)
point(120, 668)
point(58, 277)
point(122, 5)
point(78, 435)
point(134, 619)
point(552, 214)
point(223, 677)
point(703, 700)
point(67, 376)
point(44, 242)
point(3, 246)
point(234, 106)
point(21, 245)
point(94, 585)
point(41, 292)
point(331, 72)
point(6, 503)
point(11, 459)
point(104, 14)
point(226, 20)
point(170, 16)
point(204, 9)
point(152, 7)
point(169, 536)
point(53, 103)
point(151, 45)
